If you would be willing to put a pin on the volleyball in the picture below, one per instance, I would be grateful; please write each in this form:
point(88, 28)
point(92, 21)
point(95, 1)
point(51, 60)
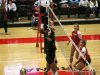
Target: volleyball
point(36, 4)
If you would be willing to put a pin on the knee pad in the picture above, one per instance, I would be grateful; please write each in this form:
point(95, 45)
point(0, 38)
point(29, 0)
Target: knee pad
point(77, 70)
point(46, 71)
point(71, 57)
point(55, 73)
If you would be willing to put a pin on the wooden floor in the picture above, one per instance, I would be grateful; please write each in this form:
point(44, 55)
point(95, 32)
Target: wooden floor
point(15, 56)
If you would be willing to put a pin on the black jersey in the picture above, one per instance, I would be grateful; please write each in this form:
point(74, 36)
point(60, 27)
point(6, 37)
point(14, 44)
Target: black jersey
point(51, 45)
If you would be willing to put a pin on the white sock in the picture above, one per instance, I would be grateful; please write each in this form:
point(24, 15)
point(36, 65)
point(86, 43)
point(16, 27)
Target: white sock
point(55, 73)
point(70, 64)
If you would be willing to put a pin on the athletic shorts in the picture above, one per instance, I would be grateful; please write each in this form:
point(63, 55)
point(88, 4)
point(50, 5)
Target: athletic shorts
point(89, 60)
point(50, 59)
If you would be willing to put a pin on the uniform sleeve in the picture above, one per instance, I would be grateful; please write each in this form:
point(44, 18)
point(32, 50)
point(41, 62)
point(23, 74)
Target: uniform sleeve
point(72, 34)
point(79, 35)
point(79, 60)
point(83, 51)
point(6, 7)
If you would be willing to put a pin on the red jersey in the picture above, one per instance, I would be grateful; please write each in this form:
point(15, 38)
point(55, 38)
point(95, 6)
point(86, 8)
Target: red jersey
point(85, 53)
point(75, 37)
point(5, 15)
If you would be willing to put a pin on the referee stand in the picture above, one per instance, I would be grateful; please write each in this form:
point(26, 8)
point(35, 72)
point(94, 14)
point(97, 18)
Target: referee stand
point(46, 24)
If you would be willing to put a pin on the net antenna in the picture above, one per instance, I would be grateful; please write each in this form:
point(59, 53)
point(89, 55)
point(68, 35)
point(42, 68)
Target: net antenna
point(72, 41)
point(47, 10)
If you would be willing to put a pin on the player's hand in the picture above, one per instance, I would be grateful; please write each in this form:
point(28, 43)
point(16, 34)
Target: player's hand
point(55, 4)
point(49, 33)
point(74, 65)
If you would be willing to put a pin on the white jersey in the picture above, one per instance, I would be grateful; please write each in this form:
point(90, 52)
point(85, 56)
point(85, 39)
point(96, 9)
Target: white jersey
point(84, 3)
point(12, 7)
point(92, 4)
point(43, 2)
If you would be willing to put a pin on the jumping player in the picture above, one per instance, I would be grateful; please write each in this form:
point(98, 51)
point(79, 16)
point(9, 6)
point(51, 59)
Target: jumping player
point(55, 59)
point(50, 52)
point(76, 37)
point(81, 62)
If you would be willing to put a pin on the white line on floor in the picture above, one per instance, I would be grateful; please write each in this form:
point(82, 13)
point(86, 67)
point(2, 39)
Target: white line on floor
point(41, 59)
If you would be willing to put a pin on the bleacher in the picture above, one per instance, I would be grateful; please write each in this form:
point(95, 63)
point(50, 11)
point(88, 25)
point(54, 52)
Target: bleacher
point(25, 7)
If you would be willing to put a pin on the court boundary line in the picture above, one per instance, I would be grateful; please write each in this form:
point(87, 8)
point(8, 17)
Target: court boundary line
point(42, 59)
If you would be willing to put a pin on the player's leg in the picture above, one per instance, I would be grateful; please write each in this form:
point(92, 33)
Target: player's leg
point(72, 53)
point(53, 68)
point(71, 57)
point(77, 54)
point(47, 69)
point(34, 19)
point(79, 67)
point(55, 60)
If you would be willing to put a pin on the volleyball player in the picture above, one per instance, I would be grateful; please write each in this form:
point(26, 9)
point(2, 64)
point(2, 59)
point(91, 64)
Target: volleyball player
point(81, 62)
point(52, 27)
point(50, 52)
point(76, 37)
point(55, 59)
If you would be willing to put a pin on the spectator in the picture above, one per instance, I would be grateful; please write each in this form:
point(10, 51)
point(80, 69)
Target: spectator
point(74, 1)
point(12, 10)
point(0, 2)
point(85, 5)
point(5, 18)
point(94, 6)
point(34, 15)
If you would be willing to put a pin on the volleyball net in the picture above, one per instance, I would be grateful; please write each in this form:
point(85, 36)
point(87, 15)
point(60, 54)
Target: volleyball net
point(65, 49)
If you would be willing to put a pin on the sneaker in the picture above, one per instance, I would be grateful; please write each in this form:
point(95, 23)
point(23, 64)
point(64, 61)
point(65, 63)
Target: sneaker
point(69, 67)
point(30, 28)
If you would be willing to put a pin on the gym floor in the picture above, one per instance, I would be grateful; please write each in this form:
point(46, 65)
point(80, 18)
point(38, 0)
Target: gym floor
point(19, 50)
